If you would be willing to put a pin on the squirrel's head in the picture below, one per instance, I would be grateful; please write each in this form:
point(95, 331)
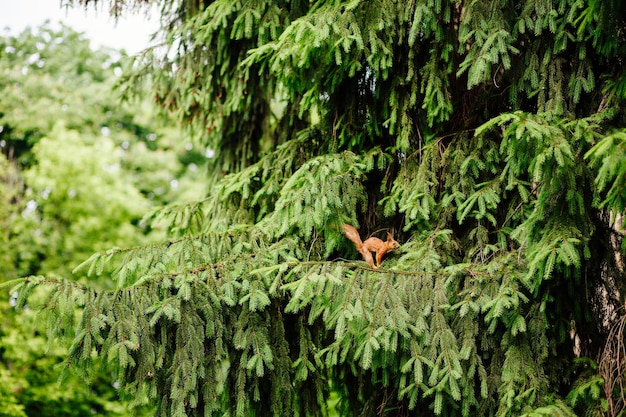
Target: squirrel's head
point(392, 242)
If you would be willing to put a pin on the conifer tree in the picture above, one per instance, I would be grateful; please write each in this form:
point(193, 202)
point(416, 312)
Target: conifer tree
point(489, 135)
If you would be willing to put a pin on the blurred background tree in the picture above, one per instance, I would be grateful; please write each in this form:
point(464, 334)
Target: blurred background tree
point(79, 169)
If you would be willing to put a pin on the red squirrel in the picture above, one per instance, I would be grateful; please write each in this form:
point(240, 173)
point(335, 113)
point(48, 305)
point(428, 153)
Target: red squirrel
point(372, 244)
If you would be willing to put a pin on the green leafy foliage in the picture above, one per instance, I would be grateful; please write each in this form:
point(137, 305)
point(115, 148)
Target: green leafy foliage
point(488, 135)
point(609, 156)
point(78, 171)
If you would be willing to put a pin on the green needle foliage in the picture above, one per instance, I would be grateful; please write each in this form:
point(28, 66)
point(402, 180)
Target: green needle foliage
point(488, 134)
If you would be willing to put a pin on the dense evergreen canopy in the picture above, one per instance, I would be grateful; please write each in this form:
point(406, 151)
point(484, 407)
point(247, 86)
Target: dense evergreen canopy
point(490, 135)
